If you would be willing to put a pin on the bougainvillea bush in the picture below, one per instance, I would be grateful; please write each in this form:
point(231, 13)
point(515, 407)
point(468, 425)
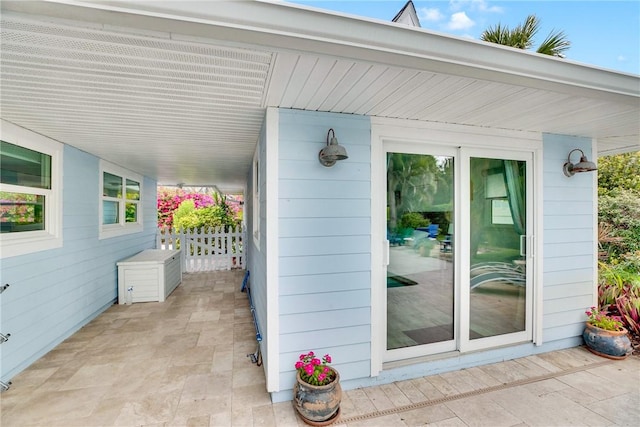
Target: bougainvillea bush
point(169, 199)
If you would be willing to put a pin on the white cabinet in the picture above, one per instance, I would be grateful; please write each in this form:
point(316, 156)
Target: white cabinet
point(151, 275)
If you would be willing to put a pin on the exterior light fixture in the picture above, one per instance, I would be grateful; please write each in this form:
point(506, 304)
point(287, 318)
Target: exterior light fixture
point(333, 152)
point(584, 165)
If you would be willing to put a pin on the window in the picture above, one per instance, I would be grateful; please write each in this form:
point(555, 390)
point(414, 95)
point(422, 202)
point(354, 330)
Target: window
point(30, 197)
point(121, 204)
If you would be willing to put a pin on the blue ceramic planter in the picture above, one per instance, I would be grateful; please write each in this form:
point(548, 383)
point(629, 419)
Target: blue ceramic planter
point(611, 344)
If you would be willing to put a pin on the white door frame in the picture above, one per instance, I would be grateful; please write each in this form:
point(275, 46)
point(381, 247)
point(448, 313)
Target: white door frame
point(426, 136)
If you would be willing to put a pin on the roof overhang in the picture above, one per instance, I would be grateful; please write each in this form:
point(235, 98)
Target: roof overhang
point(299, 56)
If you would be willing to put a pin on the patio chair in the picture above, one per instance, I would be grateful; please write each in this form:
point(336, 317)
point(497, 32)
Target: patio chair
point(500, 272)
point(445, 244)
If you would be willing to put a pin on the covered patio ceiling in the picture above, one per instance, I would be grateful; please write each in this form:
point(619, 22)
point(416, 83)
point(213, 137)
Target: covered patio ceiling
point(178, 90)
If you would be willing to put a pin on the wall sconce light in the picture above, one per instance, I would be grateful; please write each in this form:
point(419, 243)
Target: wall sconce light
point(584, 165)
point(333, 152)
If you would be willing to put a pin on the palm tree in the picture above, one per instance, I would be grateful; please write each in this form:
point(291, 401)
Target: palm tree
point(522, 37)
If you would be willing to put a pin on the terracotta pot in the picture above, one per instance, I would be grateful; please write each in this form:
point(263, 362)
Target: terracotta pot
point(317, 405)
point(611, 344)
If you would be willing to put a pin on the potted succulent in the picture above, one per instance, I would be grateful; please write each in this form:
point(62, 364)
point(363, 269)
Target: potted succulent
point(605, 335)
point(317, 392)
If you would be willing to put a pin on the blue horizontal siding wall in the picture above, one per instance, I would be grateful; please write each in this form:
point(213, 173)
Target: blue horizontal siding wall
point(256, 253)
point(54, 293)
point(324, 246)
point(569, 256)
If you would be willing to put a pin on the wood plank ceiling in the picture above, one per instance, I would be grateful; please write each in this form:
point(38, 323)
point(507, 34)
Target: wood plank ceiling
point(190, 111)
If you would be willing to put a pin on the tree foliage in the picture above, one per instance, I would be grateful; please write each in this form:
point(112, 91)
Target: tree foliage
point(619, 205)
point(522, 37)
point(619, 171)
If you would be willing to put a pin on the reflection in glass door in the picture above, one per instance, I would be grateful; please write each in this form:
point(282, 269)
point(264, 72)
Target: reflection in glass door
point(498, 228)
point(420, 273)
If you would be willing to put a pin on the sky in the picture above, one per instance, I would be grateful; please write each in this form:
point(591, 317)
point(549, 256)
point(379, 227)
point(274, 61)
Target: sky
point(604, 33)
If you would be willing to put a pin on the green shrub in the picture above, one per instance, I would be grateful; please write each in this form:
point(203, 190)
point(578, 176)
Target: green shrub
point(188, 217)
point(413, 220)
point(620, 210)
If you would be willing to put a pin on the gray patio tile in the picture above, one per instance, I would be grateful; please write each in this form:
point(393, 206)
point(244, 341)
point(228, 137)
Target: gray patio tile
point(396, 395)
point(412, 393)
point(594, 387)
point(530, 369)
point(359, 406)
point(44, 407)
point(201, 409)
point(483, 377)
point(176, 365)
point(426, 415)
point(442, 385)
point(150, 409)
point(285, 415)
point(379, 398)
point(94, 376)
point(241, 415)
point(540, 388)
point(463, 381)
point(623, 410)
point(551, 409)
point(250, 396)
point(542, 362)
point(263, 416)
point(450, 422)
point(427, 388)
point(482, 411)
point(505, 372)
point(220, 420)
point(393, 420)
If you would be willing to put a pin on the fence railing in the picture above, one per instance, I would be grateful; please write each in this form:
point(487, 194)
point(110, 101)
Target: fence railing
point(205, 249)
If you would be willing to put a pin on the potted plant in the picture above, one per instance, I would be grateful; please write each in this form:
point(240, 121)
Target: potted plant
point(605, 335)
point(317, 392)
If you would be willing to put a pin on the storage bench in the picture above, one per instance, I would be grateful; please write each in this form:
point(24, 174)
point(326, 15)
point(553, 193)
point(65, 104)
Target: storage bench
point(151, 275)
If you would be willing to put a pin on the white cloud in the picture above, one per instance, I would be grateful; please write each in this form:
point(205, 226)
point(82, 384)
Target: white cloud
point(460, 21)
point(431, 15)
point(483, 6)
point(621, 58)
point(474, 5)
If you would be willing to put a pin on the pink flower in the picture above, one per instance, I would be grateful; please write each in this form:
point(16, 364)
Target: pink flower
point(325, 370)
point(311, 354)
point(302, 356)
point(321, 377)
point(315, 361)
point(327, 358)
point(299, 365)
point(308, 369)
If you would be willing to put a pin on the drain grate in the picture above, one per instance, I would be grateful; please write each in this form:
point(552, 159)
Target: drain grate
point(445, 399)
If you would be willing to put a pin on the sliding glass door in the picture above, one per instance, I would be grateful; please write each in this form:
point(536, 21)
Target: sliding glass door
point(420, 272)
point(458, 268)
point(499, 291)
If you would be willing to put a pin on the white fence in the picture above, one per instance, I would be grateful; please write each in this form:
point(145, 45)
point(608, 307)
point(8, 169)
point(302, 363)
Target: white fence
point(205, 249)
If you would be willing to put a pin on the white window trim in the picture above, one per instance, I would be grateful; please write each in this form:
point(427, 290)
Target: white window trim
point(26, 242)
point(123, 228)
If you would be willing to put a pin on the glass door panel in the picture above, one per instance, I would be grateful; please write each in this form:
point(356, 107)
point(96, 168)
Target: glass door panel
point(420, 273)
point(498, 228)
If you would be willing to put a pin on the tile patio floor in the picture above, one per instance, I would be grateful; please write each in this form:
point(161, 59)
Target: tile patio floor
point(184, 363)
